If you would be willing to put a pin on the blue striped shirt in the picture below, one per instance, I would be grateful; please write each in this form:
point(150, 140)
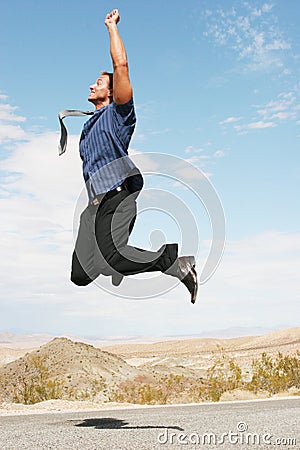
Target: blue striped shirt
point(103, 149)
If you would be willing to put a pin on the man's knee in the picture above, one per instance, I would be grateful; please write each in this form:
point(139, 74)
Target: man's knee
point(78, 274)
point(80, 279)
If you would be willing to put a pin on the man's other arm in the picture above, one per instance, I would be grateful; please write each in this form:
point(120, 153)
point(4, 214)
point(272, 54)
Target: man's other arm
point(122, 89)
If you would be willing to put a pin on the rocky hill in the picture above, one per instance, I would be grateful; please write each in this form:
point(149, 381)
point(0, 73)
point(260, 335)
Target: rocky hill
point(70, 369)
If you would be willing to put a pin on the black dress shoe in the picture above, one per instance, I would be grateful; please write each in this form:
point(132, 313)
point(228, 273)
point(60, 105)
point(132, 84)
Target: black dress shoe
point(187, 274)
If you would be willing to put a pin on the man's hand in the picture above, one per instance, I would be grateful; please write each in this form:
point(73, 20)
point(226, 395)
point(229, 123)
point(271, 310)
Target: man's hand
point(112, 18)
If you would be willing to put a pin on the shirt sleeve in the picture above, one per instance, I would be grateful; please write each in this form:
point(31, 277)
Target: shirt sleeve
point(125, 113)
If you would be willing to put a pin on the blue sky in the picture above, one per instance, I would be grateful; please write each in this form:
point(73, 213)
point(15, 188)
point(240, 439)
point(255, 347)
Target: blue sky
point(215, 84)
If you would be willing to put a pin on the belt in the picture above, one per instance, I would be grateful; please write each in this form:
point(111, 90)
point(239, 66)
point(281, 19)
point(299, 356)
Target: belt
point(102, 198)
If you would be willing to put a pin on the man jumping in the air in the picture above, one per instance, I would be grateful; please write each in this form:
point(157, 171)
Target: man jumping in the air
point(113, 183)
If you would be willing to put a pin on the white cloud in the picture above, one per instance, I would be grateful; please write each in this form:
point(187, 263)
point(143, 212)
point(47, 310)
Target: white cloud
point(200, 157)
point(266, 261)
point(191, 149)
point(267, 7)
point(43, 174)
point(230, 120)
point(284, 115)
point(11, 132)
point(190, 171)
point(9, 122)
point(219, 154)
point(260, 125)
point(7, 113)
point(257, 281)
point(250, 33)
point(38, 192)
point(283, 108)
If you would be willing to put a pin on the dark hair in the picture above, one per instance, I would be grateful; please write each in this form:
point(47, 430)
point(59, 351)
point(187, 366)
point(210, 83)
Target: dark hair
point(111, 78)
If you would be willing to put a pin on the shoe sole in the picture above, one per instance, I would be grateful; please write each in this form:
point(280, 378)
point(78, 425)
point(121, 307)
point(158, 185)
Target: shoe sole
point(193, 262)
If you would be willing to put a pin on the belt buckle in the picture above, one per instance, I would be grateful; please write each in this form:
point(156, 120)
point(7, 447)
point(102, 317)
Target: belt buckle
point(95, 201)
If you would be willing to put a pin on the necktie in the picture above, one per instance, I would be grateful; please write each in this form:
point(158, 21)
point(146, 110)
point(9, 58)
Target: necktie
point(63, 131)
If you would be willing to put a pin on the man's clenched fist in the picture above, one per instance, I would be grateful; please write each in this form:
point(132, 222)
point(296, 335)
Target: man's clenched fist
point(112, 17)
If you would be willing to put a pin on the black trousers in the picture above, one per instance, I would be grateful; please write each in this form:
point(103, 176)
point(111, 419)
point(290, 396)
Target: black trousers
point(102, 243)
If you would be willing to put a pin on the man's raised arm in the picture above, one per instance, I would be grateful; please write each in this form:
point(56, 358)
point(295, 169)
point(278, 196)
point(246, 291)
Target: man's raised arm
point(122, 89)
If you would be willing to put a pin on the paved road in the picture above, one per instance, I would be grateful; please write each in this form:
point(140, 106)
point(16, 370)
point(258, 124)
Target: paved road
point(243, 425)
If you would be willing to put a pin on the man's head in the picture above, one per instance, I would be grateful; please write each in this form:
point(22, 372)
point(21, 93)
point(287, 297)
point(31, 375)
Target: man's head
point(101, 92)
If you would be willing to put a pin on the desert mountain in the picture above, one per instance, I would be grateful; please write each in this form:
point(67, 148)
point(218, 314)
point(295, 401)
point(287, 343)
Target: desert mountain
point(276, 341)
point(195, 355)
point(179, 356)
point(22, 341)
point(73, 367)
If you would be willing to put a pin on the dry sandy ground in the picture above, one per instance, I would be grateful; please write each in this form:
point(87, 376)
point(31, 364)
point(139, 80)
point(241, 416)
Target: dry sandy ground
point(57, 406)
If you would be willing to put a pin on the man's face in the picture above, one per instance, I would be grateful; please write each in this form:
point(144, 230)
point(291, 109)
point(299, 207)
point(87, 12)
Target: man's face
point(99, 91)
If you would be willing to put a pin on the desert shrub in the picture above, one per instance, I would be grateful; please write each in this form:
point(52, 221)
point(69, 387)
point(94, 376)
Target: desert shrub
point(268, 374)
point(142, 390)
point(275, 375)
point(34, 384)
point(224, 375)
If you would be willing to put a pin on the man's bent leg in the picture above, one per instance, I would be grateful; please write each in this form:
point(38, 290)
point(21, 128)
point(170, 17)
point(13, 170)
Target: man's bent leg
point(113, 225)
point(83, 270)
